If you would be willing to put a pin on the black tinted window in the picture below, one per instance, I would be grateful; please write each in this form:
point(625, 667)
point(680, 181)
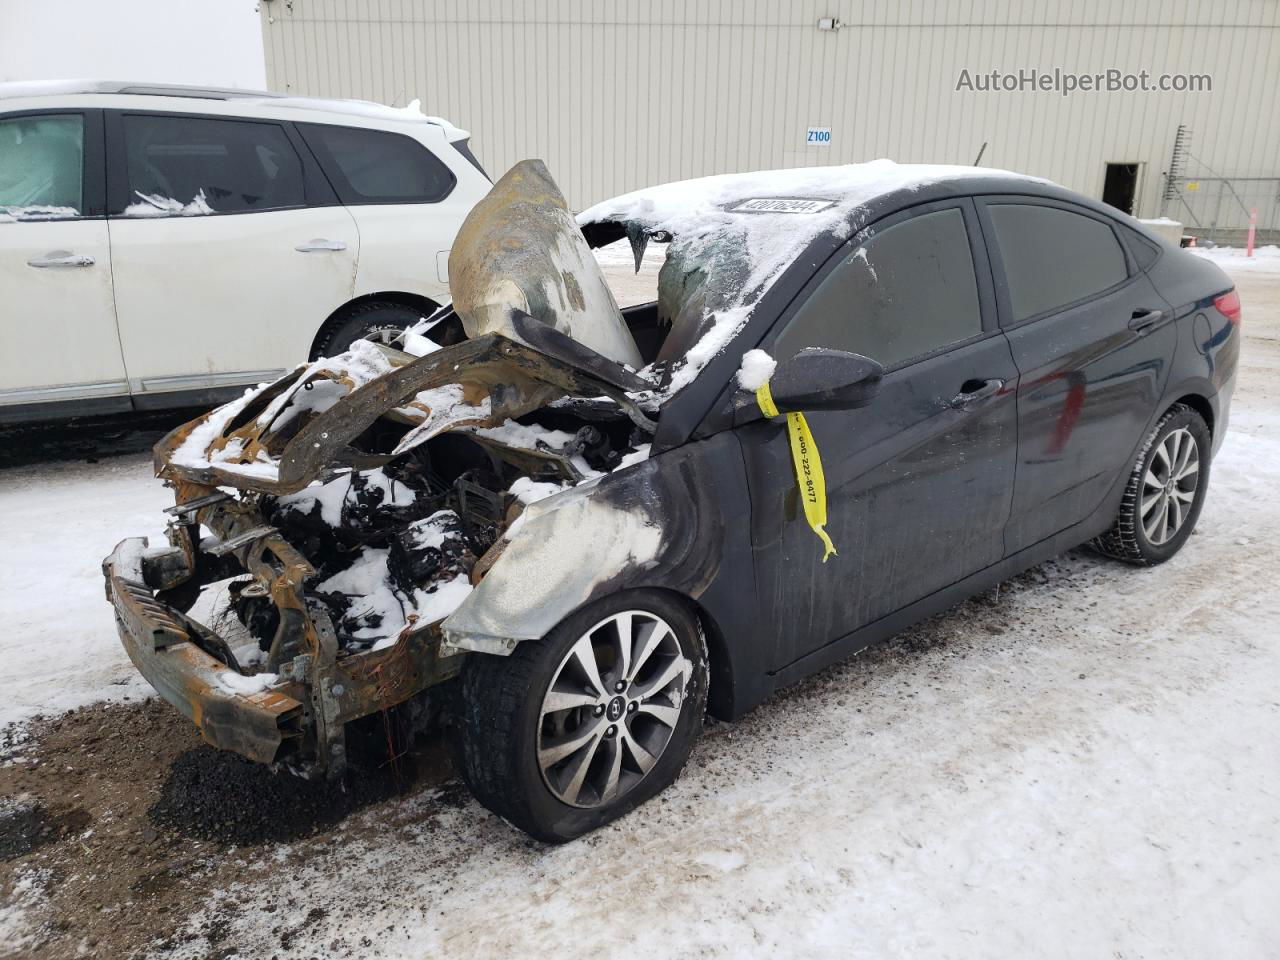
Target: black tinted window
point(1053, 257)
point(1143, 250)
point(188, 165)
point(372, 166)
point(908, 291)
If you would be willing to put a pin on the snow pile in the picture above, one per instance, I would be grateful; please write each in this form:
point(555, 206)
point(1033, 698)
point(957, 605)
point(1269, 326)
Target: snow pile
point(440, 407)
point(415, 344)
point(8, 214)
point(538, 438)
point(639, 455)
point(334, 495)
point(757, 367)
point(238, 683)
point(379, 610)
point(743, 252)
point(155, 205)
point(527, 490)
point(526, 436)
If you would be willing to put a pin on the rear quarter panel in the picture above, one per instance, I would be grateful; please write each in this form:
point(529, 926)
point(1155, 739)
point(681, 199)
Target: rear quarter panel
point(1209, 344)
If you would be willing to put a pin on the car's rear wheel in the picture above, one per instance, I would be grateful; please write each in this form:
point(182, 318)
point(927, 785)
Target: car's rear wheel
point(574, 730)
point(377, 320)
point(1165, 492)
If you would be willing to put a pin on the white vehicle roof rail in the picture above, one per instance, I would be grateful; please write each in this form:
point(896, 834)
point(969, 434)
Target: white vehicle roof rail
point(56, 88)
point(357, 108)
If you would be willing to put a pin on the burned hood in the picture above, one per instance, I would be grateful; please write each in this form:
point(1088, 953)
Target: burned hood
point(520, 253)
point(280, 437)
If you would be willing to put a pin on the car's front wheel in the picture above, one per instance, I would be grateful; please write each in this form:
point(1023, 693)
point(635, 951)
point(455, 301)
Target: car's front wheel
point(1165, 491)
point(572, 731)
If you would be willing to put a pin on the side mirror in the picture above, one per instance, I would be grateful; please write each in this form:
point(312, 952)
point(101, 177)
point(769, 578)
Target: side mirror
point(820, 379)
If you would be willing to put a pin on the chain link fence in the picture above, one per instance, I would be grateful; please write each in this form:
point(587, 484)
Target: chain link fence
point(1217, 209)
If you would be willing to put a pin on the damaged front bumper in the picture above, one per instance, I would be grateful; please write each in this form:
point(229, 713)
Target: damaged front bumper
point(159, 641)
point(295, 710)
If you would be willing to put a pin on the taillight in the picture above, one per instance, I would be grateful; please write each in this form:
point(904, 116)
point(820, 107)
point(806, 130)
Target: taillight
point(1229, 306)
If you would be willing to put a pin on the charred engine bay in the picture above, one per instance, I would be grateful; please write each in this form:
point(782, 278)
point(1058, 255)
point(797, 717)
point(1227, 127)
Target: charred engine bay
point(429, 514)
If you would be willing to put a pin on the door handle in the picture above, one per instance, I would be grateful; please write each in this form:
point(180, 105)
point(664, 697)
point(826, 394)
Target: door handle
point(1144, 320)
point(60, 258)
point(319, 244)
point(971, 391)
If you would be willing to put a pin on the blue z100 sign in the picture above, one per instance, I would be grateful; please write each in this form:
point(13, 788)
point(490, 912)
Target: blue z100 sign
point(818, 137)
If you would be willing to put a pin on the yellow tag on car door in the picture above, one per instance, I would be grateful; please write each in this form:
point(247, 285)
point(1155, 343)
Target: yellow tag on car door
point(808, 467)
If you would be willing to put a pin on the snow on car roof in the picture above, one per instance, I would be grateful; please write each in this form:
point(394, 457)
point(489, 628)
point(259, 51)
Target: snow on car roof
point(742, 230)
point(775, 212)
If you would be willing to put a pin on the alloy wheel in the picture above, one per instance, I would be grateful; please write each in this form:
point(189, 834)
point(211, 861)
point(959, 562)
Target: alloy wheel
point(612, 706)
point(1169, 486)
point(385, 334)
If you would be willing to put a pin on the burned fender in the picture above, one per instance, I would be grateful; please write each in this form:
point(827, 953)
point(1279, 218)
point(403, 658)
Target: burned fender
point(656, 524)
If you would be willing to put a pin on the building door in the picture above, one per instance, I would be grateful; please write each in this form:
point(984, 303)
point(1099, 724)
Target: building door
point(1120, 186)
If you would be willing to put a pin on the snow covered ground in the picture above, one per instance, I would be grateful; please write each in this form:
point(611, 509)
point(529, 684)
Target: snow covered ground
point(1234, 259)
point(58, 648)
point(1085, 764)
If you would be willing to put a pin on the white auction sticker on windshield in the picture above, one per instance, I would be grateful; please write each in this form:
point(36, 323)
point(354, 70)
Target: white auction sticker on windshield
point(779, 205)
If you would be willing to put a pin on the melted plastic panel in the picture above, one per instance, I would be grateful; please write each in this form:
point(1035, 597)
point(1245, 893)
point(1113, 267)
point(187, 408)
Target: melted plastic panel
point(520, 251)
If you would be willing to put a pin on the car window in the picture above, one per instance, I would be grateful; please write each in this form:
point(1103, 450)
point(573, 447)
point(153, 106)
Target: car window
point(1144, 251)
point(1053, 257)
point(908, 291)
point(194, 165)
point(42, 167)
point(373, 166)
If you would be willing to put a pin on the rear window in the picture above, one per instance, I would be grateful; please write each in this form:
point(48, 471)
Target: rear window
point(1053, 257)
point(192, 165)
point(373, 166)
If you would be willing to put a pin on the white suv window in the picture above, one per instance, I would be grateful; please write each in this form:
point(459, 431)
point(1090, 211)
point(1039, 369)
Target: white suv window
point(373, 166)
point(194, 165)
point(42, 167)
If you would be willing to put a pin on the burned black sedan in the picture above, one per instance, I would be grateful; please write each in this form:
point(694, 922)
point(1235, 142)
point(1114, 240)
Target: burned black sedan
point(861, 395)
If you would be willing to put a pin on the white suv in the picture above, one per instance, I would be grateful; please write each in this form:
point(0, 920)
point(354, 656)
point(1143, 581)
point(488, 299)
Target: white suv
point(164, 246)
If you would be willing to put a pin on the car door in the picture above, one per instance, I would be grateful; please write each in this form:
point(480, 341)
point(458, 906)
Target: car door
point(228, 252)
point(919, 482)
point(404, 200)
point(1093, 342)
point(60, 339)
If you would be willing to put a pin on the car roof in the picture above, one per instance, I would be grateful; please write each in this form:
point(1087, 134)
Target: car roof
point(827, 193)
point(351, 108)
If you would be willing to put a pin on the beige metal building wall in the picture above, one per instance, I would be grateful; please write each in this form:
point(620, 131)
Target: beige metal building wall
point(618, 94)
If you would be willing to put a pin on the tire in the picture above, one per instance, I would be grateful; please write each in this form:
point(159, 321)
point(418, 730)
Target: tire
point(1142, 533)
point(504, 729)
point(377, 319)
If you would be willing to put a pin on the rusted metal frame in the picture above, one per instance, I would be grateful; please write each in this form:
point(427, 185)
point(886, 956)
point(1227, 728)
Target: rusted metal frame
point(518, 380)
point(304, 650)
point(255, 726)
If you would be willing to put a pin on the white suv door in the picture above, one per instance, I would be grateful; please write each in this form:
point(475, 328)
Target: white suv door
point(403, 198)
point(60, 340)
point(228, 248)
